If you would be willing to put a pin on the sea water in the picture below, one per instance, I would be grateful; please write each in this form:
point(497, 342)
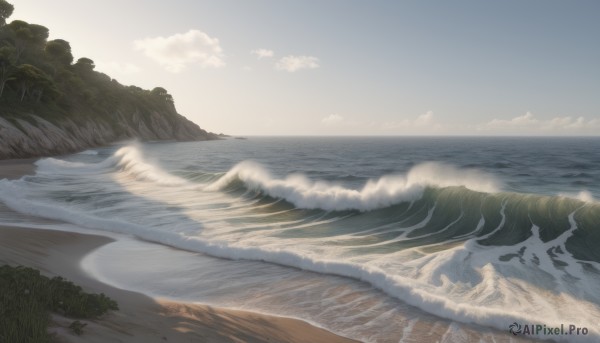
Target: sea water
point(378, 239)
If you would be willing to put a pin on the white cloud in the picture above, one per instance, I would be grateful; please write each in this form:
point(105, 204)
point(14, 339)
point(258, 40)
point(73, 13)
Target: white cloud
point(421, 124)
point(177, 51)
point(332, 119)
point(294, 63)
point(528, 123)
point(526, 120)
point(117, 68)
point(262, 53)
point(569, 123)
point(424, 119)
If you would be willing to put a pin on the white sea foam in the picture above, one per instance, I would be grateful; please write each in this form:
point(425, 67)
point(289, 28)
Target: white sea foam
point(584, 196)
point(88, 152)
point(297, 188)
point(128, 160)
point(51, 165)
point(383, 192)
point(466, 283)
point(412, 291)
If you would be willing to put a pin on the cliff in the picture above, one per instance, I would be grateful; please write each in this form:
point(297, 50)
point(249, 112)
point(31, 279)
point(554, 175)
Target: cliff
point(20, 138)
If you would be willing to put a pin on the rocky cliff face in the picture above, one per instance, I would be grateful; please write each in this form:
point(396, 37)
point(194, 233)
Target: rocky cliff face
point(32, 136)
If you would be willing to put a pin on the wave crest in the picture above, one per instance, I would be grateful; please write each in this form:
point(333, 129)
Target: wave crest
point(383, 192)
point(128, 159)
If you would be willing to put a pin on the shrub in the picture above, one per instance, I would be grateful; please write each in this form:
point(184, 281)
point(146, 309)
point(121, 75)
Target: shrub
point(27, 297)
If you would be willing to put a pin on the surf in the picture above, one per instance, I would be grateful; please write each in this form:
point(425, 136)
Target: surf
point(451, 241)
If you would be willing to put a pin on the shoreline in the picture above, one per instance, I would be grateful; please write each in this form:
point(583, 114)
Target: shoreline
point(140, 318)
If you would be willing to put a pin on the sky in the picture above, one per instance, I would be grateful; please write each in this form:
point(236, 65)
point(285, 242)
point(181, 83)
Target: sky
point(349, 67)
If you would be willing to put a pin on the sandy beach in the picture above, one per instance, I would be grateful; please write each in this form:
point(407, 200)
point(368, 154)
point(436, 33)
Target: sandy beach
point(140, 318)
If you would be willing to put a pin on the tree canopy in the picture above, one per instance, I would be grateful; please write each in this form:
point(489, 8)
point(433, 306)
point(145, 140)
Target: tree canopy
point(32, 82)
point(6, 11)
point(85, 64)
point(60, 51)
point(39, 76)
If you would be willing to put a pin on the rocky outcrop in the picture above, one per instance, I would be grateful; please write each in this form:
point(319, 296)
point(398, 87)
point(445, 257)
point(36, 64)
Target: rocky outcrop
point(32, 136)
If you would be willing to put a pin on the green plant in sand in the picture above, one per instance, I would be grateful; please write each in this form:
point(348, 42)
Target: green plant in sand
point(27, 298)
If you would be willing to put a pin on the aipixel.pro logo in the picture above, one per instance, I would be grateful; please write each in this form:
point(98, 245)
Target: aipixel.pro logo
point(542, 329)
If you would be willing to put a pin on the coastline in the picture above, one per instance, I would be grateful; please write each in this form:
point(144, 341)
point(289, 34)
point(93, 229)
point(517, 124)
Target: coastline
point(140, 318)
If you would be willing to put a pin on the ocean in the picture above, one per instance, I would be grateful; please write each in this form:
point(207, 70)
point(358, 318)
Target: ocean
point(380, 239)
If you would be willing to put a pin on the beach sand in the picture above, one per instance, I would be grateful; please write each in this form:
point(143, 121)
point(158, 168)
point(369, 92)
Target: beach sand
point(140, 318)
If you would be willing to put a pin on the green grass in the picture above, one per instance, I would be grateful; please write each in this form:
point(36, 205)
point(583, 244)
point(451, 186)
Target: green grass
point(27, 298)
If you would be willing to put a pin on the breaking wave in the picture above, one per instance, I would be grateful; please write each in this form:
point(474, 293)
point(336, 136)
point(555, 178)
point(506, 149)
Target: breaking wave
point(446, 240)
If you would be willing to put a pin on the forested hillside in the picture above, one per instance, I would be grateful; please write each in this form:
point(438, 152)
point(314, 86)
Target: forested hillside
point(51, 104)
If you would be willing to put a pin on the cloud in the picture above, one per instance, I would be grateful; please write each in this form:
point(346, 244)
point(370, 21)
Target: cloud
point(424, 119)
point(422, 123)
point(332, 119)
point(117, 68)
point(262, 53)
point(528, 123)
point(570, 123)
point(177, 51)
point(294, 63)
point(526, 120)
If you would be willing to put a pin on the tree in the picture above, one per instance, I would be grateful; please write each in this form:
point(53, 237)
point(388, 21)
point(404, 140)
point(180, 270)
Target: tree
point(25, 34)
point(85, 64)
point(21, 34)
point(6, 11)
point(18, 24)
point(33, 82)
point(159, 91)
point(7, 60)
point(59, 51)
point(162, 94)
point(38, 34)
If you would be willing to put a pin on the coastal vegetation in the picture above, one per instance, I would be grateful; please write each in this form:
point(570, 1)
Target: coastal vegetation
point(43, 86)
point(40, 76)
point(27, 298)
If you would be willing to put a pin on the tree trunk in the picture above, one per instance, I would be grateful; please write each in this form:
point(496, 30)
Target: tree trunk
point(3, 78)
point(19, 48)
point(39, 93)
point(23, 92)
